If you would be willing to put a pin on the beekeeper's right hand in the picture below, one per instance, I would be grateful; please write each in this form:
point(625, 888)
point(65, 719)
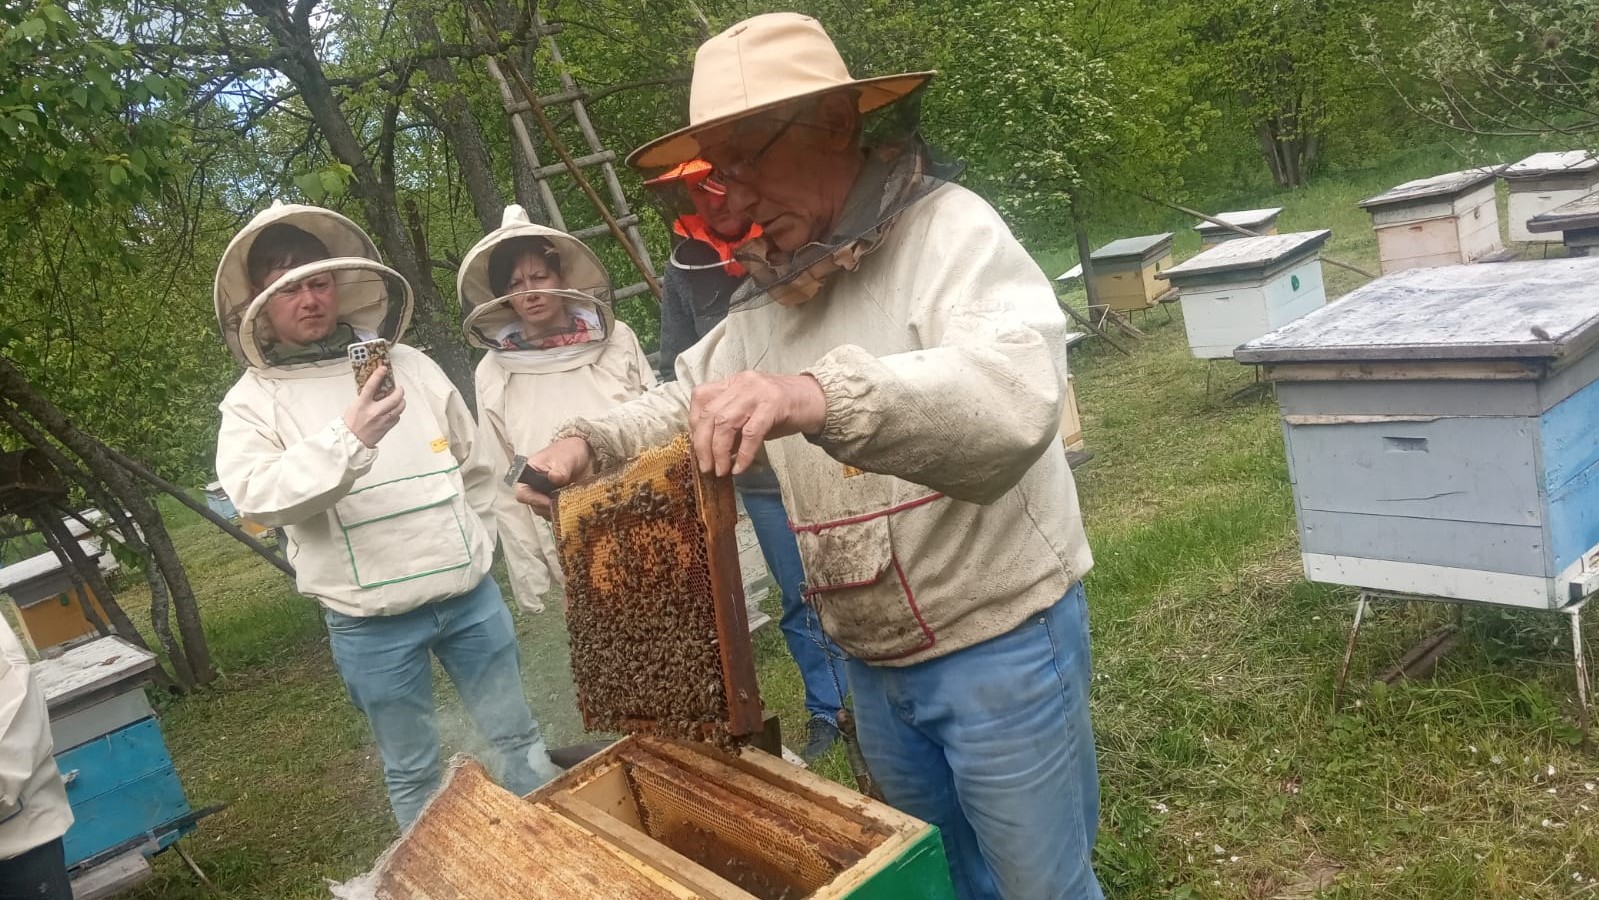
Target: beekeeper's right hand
point(563, 462)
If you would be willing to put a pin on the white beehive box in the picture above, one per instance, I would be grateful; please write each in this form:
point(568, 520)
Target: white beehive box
point(1239, 290)
point(1444, 220)
point(1439, 426)
point(1576, 222)
point(1260, 221)
point(1544, 181)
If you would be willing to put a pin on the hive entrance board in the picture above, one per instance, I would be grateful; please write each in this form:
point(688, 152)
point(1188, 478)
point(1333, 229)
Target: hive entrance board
point(655, 602)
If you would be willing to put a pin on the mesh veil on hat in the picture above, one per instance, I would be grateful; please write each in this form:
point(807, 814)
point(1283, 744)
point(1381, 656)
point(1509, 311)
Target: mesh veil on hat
point(760, 64)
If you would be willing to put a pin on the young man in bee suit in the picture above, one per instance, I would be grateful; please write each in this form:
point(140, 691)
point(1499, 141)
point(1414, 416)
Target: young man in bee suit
point(388, 504)
point(902, 359)
point(696, 289)
point(33, 799)
point(525, 388)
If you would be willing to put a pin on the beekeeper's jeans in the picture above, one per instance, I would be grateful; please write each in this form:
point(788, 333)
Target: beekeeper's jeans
point(993, 745)
point(820, 662)
point(384, 661)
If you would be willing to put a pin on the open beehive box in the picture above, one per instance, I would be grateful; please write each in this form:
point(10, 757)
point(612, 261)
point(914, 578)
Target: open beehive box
point(655, 600)
point(656, 819)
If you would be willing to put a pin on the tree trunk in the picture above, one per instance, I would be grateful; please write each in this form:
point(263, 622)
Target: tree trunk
point(15, 387)
point(100, 495)
point(1084, 252)
point(460, 127)
point(58, 537)
point(526, 186)
point(1272, 149)
point(436, 319)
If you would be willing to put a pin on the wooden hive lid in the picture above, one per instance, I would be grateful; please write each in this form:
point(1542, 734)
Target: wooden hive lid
point(44, 565)
point(1243, 218)
point(1247, 257)
point(90, 670)
point(1552, 162)
point(1144, 246)
point(1582, 212)
point(655, 599)
point(1475, 312)
point(475, 839)
point(1448, 185)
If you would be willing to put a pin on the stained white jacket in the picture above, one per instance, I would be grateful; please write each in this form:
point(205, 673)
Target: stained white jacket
point(33, 799)
point(371, 531)
point(935, 510)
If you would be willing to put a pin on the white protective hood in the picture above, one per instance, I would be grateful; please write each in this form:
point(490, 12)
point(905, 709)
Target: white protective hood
point(485, 316)
point(367, 288)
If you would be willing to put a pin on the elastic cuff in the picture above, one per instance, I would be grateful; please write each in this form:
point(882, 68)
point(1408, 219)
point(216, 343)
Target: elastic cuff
point(580, 428)
point(360, 455)
point(840, 404)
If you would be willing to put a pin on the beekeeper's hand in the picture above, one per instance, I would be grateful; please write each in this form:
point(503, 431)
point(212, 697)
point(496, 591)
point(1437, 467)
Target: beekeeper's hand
point(729, 420)
point(369, 418)
point(563, 462)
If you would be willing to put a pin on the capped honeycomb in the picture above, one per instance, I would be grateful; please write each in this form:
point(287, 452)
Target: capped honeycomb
point(655, 602)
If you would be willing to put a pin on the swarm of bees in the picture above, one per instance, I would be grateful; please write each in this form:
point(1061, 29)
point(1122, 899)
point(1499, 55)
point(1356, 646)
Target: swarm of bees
point(640, 610)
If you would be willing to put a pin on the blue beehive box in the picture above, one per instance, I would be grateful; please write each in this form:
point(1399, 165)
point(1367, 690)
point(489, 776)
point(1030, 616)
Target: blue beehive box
point(121, 784)
point(1442, 432)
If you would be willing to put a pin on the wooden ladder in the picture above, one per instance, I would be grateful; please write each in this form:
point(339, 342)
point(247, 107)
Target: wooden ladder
point(521, 104)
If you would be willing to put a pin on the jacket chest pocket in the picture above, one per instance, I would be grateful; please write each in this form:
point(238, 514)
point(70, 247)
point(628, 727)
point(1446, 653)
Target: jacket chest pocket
point(404, 529)
point(854, 580)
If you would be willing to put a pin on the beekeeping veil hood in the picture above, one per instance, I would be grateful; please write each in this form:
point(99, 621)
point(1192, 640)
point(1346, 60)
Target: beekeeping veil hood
point(773, 65)
point(373, 299)
point(487, 317)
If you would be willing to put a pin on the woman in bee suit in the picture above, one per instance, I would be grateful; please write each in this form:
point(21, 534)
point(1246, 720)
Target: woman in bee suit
point(33, 800)
point(387, 502)
point(538, 300)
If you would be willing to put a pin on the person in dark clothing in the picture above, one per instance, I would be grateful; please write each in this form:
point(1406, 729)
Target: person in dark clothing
point(696, 289)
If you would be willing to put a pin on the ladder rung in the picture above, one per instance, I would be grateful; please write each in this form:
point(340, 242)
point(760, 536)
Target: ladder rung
point(521, 106)
point(583, 162)
point(632, 290)
point(592, 231)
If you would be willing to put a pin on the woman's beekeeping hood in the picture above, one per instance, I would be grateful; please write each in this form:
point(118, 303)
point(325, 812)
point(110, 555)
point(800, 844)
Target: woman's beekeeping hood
point(367, 288)
point(486, 316)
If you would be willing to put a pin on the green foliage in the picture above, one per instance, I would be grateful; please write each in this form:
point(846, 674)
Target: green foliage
point(80, 120)
point(1499, 67)
point(1053, 100)
point(1285, 73)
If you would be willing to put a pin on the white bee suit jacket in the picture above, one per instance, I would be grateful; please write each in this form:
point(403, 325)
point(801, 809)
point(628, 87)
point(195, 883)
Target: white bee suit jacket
point(33, 799)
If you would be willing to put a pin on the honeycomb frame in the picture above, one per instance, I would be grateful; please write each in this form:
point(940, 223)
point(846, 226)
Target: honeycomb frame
point(655, 600)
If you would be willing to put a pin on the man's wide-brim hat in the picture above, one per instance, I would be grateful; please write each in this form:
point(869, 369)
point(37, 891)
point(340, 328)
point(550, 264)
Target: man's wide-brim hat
point(761, 64)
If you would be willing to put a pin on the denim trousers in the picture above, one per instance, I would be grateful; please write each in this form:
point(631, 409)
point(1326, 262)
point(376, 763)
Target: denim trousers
point(993, 745)
point(385, 664)
point(820, 661)
point(39, 874)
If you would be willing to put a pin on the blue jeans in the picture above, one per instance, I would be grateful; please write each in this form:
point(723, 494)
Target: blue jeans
point(818, 658)
point(993, 745)
point(384, 661)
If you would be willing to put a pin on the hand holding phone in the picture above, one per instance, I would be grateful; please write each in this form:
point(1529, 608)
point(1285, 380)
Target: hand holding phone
point(370, 418)
point(366, 357)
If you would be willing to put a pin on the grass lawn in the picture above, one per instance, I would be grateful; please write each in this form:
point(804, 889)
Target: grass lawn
point(1225, 772)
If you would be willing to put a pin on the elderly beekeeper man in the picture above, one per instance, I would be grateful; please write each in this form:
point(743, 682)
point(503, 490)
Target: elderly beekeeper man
point(387, 502)
point(902, 359)
point(33, 799)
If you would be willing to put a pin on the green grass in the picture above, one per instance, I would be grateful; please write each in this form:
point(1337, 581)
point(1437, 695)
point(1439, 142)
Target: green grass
point(1225, 772)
